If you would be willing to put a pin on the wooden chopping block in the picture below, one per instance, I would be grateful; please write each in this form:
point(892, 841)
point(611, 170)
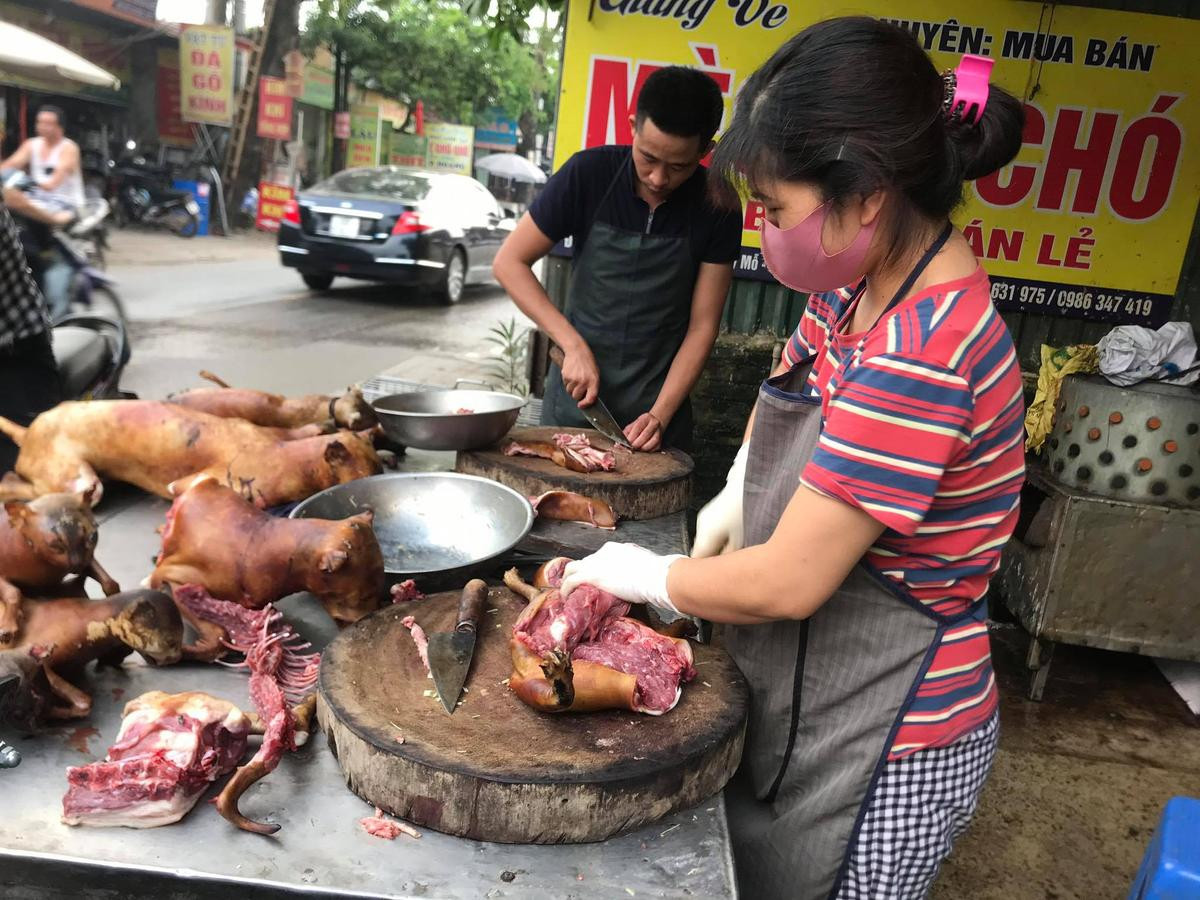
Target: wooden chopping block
point(497, 770)
point(645, 485)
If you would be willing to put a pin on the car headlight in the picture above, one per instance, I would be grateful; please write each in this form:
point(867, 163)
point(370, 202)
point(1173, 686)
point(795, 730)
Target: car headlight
point(193, 207)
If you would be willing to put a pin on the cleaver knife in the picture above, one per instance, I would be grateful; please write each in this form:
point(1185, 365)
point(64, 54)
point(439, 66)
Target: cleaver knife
point(598, 414)
point(450, 652)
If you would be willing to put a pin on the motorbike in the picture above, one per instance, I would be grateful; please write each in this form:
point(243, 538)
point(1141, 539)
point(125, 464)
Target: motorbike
point(90, 230)
point(91, 333)
point(141, 194)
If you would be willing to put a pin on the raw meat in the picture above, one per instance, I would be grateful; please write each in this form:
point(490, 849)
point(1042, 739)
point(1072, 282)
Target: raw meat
point(583, 653)
point(566, 506)
point(278, 668)
point(637, 649)
point(571, 451)
point(463, 411)
point(406, 591)
point(382, 827)
point(419, 638)
point(578, 446)
point(169, 749)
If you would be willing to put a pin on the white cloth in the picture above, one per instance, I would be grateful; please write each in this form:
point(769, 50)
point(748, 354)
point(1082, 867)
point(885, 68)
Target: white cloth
point(633, 573)
point(1131, 353)
point(69, 194)
point(719, 525)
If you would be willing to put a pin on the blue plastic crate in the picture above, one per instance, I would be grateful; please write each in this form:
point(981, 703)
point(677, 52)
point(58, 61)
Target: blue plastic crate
point(1171, 867)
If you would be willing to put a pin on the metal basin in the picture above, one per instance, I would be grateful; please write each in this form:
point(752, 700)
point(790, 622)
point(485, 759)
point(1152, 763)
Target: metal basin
point(431, 523)
point(428, 420)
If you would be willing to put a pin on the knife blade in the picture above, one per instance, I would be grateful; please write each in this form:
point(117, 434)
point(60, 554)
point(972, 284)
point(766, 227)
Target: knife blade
point(598, 414)
point(450, 652)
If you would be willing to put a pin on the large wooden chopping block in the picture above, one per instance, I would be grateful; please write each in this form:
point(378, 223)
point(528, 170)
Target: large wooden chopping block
point(645, 485)
point(497, 770)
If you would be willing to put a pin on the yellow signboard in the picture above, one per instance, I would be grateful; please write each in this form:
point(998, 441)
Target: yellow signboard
point(448, 148)
point(206, 74)
point(1092, 220)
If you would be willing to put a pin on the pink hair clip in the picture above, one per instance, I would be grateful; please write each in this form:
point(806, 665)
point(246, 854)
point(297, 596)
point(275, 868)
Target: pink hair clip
point(966, 92)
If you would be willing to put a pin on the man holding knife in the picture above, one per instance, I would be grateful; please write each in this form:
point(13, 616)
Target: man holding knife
point(653, 263)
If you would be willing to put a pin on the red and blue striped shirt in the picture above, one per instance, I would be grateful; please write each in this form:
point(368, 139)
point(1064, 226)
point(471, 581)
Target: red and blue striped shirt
point(922, 429)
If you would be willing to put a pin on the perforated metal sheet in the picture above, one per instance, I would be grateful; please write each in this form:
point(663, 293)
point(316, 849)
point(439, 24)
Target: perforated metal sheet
point(1139, 443)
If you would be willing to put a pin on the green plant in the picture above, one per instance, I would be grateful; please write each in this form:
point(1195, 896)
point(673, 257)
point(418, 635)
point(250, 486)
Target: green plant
point(512, 348)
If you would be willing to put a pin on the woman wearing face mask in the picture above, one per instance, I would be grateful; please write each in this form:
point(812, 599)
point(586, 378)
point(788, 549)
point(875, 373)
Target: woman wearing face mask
point(880, 478)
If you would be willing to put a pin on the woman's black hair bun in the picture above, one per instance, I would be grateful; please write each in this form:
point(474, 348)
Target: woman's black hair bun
point(990, 144)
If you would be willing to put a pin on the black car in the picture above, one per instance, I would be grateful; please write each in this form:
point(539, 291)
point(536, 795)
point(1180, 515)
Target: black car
point(404, 226)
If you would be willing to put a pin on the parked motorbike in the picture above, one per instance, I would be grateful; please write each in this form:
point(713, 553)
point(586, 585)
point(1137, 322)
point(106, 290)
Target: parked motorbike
point(141, 194)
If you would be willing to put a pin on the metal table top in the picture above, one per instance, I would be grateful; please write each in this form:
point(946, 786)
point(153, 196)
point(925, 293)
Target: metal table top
point(321, 850)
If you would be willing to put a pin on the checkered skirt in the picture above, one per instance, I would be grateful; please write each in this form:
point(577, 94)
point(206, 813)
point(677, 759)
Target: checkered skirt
point(920, 806)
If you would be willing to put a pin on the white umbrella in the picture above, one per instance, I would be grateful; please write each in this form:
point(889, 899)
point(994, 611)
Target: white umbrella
point(25, 53)
point(509, 165)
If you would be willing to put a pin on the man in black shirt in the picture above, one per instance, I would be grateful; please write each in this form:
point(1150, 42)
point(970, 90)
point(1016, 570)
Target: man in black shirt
point(653, 263)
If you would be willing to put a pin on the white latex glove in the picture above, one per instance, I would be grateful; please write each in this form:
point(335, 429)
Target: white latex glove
point(633, 573)
point(719, 526)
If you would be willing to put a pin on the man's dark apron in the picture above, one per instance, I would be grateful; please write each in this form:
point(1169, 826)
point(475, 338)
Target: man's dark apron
point(827, 693)
point(631, 300)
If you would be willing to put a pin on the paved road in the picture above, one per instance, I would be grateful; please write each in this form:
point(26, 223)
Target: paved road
point(253, 323)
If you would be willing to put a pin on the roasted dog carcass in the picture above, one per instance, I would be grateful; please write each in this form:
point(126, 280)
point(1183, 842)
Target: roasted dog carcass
point(349, 411)
point(42, 542)
point(152, 445)
point(170, 748)
point(583, 653)
point(60, 637)
point(237, 553)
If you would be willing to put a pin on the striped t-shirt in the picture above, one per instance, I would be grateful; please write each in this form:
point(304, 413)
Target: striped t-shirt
point(921, 429)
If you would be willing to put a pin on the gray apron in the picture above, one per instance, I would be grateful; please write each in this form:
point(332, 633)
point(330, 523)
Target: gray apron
point(827, 693)
point(631, 300)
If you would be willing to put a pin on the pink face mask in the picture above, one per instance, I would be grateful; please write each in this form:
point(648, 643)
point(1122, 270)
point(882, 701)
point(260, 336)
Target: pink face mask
point(797, 259)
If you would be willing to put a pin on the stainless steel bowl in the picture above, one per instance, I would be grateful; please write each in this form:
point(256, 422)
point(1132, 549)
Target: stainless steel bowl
point(428, 420)
point(430, 523)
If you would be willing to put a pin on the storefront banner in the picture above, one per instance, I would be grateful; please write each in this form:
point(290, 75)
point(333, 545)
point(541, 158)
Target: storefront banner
point(318, 86)
point(407, 150)
point(1092, 219)
point(171, 127)
point(449, 147)
point(271, 200)
point(364, 136)
point(206, 74)
point(274, 109)
point(341, 126)
point(498, 133)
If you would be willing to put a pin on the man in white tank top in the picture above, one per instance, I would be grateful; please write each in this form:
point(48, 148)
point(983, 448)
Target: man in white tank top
point(53, 161)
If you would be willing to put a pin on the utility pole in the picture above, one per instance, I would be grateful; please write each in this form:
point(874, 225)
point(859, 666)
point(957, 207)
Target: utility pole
point(217, 12)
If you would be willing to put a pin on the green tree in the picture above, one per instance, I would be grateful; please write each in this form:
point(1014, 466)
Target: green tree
point(429, 50)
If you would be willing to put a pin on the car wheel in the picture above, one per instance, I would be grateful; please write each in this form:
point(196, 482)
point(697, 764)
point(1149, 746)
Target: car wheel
point(454, 278)
point(318, 282)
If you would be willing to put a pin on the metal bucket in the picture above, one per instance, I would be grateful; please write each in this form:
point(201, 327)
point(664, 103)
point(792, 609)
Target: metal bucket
point(1138, 443)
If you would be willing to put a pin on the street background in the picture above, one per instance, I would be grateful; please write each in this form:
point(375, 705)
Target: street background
point(228, 306)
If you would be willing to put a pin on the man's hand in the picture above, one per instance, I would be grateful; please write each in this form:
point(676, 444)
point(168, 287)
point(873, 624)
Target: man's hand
point(580, 375)
point(645, 433)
